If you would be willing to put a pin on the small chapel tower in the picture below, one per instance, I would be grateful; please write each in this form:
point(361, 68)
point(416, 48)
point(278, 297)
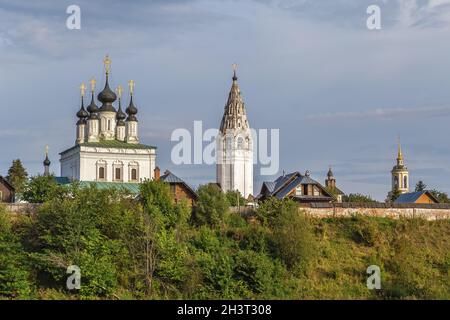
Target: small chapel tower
point(400, 174)
point(234, 147)
point(46, 163)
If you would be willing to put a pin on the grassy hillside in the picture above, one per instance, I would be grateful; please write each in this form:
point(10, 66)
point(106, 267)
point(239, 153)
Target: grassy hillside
point(154, 249)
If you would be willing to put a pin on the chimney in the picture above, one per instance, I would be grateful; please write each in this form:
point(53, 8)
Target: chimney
point(157, 173)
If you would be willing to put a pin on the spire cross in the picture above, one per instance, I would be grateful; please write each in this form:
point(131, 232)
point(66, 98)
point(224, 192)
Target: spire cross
point(107, 63)
point(82, 89)
point(46, 150)
point(234, 66)
point(131, 86)
point(119, 91)
point(92, 82)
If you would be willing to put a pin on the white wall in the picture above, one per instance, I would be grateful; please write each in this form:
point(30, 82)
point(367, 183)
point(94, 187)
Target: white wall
point(81, 163)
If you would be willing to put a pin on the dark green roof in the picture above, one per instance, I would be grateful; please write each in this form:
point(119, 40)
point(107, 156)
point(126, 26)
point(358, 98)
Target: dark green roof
point(131, 187)
point(116, 144)
point(112, 144)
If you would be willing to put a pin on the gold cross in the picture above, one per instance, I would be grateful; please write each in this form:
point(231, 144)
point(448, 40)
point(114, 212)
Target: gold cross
point(107, 63)
point(82, 89)
point(234, 65)
point(46, 150)
point(119, 91)
point(131, 86)
point(93, 82)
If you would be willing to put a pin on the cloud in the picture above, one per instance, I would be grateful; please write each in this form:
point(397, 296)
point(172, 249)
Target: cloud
point(393, 113)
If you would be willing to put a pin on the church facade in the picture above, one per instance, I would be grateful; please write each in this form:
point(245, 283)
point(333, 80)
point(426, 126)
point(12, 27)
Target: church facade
point(107, 146)
point(234, 146)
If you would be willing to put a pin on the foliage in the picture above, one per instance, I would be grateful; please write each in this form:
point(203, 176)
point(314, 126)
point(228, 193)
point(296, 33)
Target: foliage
point(420, 186)
point(357, 197)
point(235, 198)
point(441, 196)
point(41, 188)
point(211, 206)
point(394, 195)
point(293, 240)
point(17, 175)
point(14, 273)
point(150, 247)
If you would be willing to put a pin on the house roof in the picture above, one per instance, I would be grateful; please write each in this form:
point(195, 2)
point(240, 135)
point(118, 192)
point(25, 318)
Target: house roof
point(285, 183)
point(169, 177)
point(6, 183)
point(412, 197)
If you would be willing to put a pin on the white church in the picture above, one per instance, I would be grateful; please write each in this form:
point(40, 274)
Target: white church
point(107, 147)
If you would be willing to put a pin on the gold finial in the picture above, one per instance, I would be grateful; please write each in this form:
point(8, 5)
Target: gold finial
point(400, 153)
point(131, 86)
point(92, 82)
point(107, 63)
point(119, 90)
point(234, 65)
point(82, 89)
point(46, 150)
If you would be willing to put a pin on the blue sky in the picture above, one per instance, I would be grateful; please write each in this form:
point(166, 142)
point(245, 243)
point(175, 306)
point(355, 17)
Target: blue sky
point(339, 93)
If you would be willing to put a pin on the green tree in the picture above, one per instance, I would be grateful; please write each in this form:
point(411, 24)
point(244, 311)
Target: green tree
point(441, 196)
point(212, 205)
point(15, 277)
point(420, 186)
point(164, 250)
point(357, 197)
point(17, 176)
point(93, 229)
point(40, 189)
point(293, 238)
point(394, 195)
point(235, 198)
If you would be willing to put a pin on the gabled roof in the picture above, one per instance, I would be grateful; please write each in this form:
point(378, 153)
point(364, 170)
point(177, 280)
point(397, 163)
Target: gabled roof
point(6, 183)
point(412, 197)
point(284, 184)
point(170, 178)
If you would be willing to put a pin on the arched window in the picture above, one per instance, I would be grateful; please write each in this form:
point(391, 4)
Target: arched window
point(405, 182)
point(101, 173)
point(134, 174)
point(117, 174)
point(240, 143)
point(396, 182)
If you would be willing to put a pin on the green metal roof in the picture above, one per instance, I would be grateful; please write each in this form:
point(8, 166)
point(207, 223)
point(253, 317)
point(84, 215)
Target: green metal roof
point(116, 144)
point(111, 144)
point(131, 187)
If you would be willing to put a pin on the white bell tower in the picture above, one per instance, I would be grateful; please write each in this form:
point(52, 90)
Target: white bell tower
point(234, 147)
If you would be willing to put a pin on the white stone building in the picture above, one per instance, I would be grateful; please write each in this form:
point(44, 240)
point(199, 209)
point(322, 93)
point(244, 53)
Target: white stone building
point(234, 149)
point(107, 147)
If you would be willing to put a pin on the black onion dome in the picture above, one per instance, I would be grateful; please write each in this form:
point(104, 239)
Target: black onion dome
point(120, 116)
point(131, 111)
point(330, 173)
point(46, 161)
point(107, 97)
point(92, 108)
point(82, 113)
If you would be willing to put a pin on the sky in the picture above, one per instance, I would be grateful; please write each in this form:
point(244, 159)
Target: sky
point(339, 93)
